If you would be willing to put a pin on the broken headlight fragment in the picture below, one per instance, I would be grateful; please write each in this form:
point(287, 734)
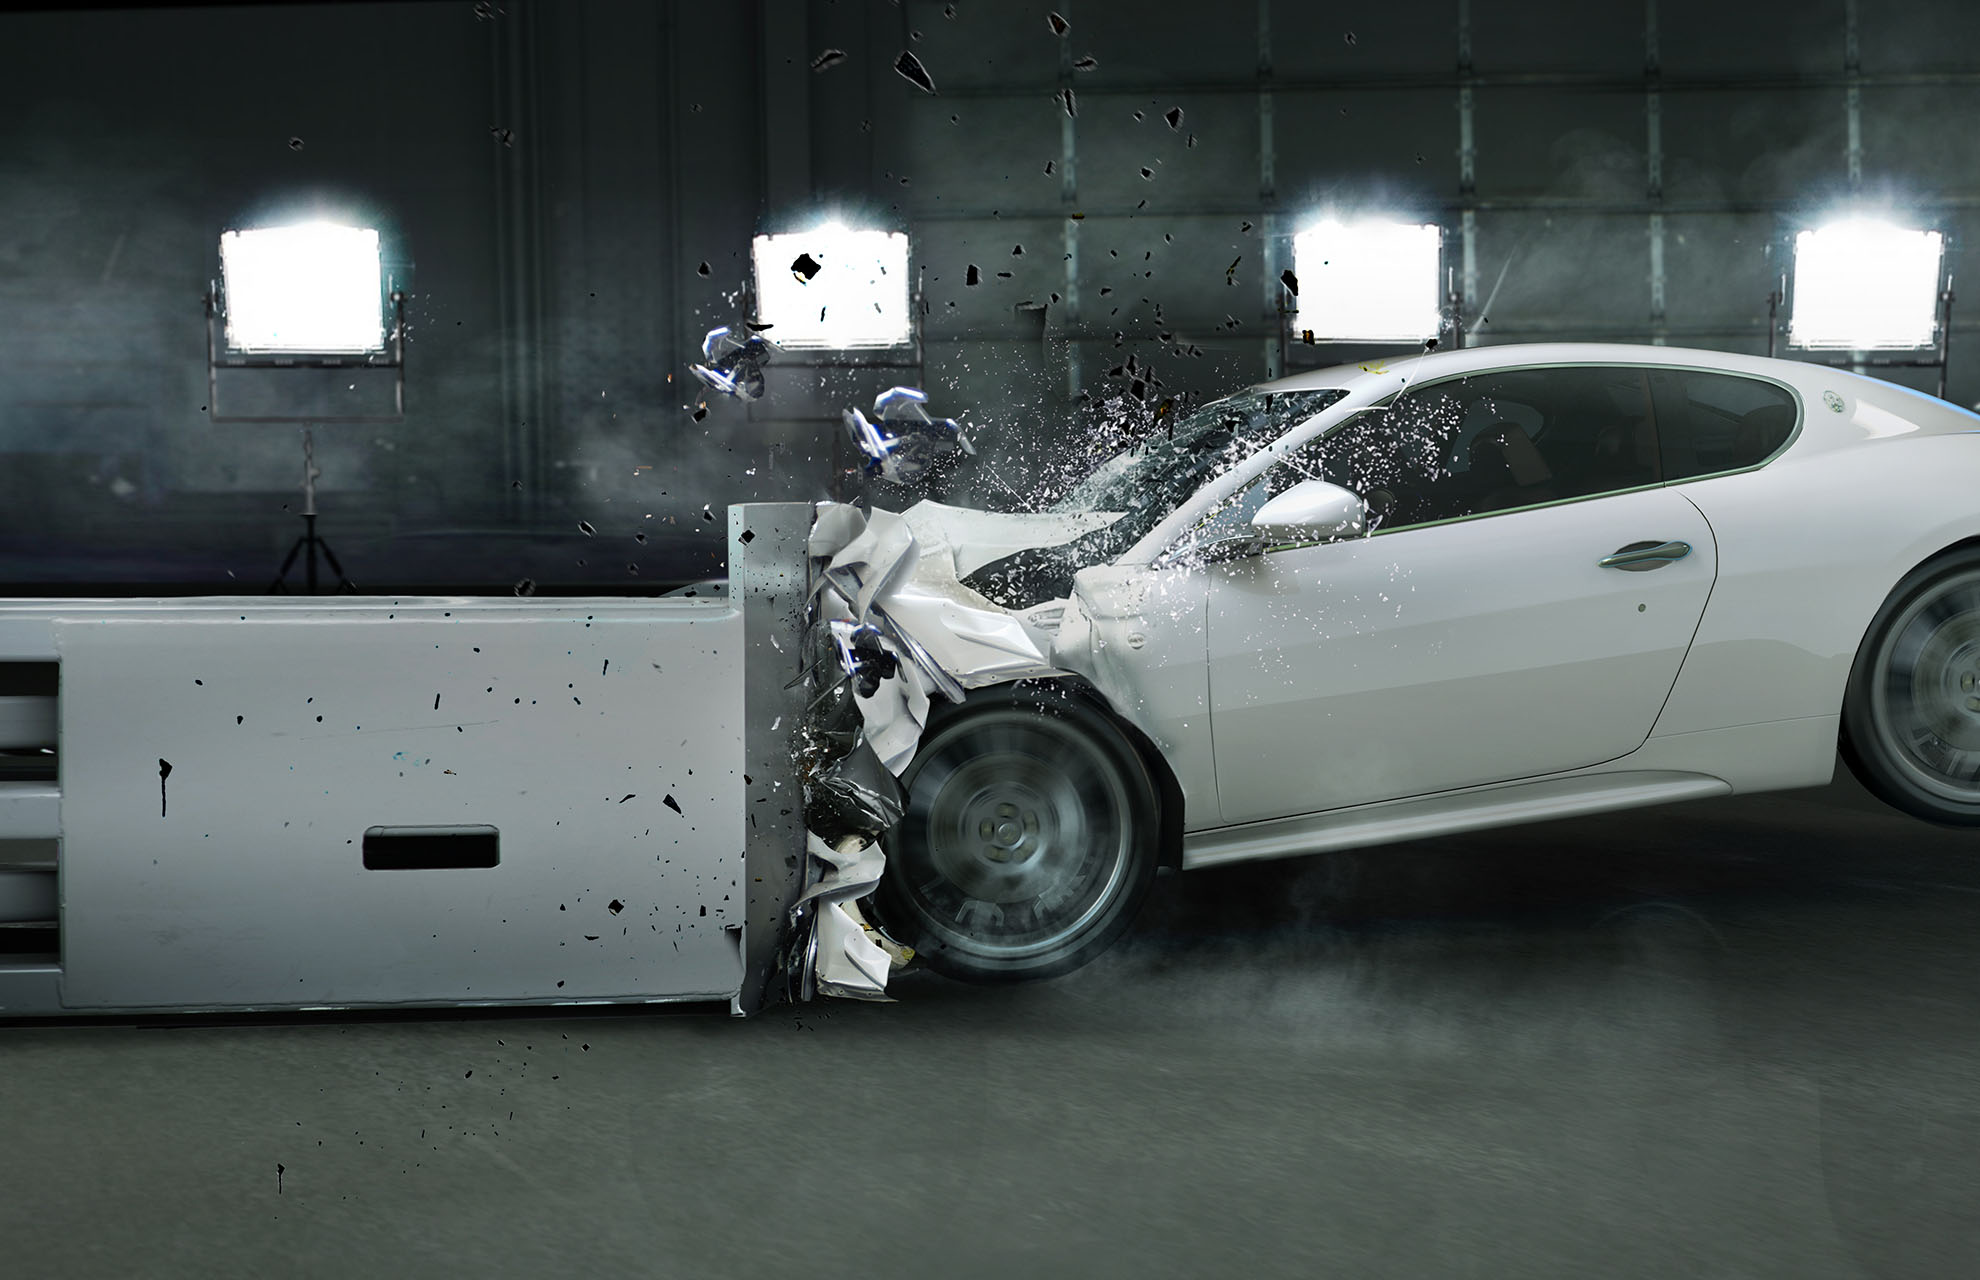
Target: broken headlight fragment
point(864, 656)
point(734, 365)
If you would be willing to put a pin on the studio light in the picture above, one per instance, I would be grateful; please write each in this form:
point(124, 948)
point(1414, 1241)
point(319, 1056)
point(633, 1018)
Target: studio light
point(313, 288)
point(833, 287)
point(1368, 281)
point(1865, 285)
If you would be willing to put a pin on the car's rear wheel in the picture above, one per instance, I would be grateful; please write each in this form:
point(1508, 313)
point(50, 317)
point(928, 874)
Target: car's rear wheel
point(1031, 834)
point(1911, 716)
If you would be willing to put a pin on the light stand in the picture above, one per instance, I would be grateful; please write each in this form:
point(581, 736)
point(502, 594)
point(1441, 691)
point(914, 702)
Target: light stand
point(309, 546)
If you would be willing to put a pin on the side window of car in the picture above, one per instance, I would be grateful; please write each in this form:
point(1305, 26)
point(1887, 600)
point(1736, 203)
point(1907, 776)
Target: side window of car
point(1397, 460)
point(1600, 435)
point(1714, 422)
point(1500, 441)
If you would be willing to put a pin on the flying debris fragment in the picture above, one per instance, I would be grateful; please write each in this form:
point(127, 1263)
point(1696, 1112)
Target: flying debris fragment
point(1290, 281)
point(735, 366)
point(1058, 24)
point(913, 72)
point(827, 59)
point(804, 267)
point(1071, 102)
point(1174, 115)
point(902, 441)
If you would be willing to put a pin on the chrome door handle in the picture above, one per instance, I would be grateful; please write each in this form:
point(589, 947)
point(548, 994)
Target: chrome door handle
point(1638, 556)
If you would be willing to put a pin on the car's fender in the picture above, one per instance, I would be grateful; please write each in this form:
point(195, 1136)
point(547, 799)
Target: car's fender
point(1809, 547)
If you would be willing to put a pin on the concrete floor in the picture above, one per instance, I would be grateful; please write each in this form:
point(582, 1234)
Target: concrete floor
point(1734, 1038)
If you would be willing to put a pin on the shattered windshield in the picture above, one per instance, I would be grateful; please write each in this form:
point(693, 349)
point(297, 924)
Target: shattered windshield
point(1158, 474)
point(1145, 484)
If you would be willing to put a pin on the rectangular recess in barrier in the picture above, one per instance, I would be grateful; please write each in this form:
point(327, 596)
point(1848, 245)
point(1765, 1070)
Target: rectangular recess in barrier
point(431, 848)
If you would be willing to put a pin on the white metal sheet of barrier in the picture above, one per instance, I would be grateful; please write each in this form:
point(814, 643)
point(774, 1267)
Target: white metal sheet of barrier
point(223, 759)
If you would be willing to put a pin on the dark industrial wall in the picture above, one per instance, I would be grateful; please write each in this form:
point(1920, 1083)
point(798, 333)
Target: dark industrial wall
point(552, 178)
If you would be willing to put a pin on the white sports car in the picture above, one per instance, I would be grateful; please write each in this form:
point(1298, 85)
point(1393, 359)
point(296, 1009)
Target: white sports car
point(1435, 594)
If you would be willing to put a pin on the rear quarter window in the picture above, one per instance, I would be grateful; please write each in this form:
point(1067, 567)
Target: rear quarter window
point(1709, 423)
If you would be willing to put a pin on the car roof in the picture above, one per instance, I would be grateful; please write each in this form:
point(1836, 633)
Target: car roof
point(1389, 373)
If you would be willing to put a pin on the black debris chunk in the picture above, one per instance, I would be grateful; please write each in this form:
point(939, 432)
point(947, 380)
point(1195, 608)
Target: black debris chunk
point(746, 537)
point(827, 59)
point(628, 797)
point(700, 412)
point(1058, 24)
point(615, 906)
point(1017, 251)
point(1071, 103)
point(1290, 281)
point(1147, 174)
point(584, 527)
point(972, 277)
point(670, 802)
point(913, 72)
point(804, 267)
point(702, 270)
point(1086, 63)
point(1174, 115)
point(527, 587)
point(295, 144)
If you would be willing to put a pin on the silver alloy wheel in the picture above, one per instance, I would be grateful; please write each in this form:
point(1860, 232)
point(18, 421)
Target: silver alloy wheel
point(1925, 689)
point(1017, 835)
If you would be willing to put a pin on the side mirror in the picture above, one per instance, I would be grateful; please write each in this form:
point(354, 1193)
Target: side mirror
point(1311, 511)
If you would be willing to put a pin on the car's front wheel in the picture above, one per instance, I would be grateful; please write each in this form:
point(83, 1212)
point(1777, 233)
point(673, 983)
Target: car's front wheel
point(1911, 716)
point(1031, 834)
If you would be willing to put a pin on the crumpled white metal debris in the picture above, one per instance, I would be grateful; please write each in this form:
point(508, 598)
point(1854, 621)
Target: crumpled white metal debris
point(903, 632)
point(925, 618)
point(865, 555)
point(842, 958)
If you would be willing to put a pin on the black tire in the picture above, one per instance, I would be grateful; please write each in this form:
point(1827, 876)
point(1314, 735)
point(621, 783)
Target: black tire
point(1911, 714)
point(1031, 836)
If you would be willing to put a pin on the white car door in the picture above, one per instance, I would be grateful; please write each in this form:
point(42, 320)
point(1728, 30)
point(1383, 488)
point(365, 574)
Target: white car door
point(1525, 612)
point(1450, 655)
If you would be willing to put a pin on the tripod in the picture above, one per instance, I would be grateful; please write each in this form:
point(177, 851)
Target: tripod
point(309, 543)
